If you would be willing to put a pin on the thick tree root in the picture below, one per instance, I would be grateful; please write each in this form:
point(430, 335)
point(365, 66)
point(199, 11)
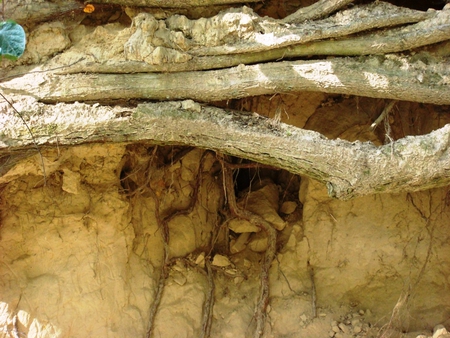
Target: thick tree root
point(317, 10)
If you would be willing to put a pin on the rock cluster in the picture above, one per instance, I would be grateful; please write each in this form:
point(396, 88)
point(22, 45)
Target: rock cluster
point(439, 331)
point(351, 325)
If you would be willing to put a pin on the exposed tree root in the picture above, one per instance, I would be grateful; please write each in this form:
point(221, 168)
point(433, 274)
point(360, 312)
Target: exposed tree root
point(317, 10)
point(349, 169)
point(165, 235)
point(263, 301)
point(391, 77)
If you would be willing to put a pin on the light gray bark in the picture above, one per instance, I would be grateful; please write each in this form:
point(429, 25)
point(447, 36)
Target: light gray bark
point(349, 169)
point(317, 10)
point(381, 77)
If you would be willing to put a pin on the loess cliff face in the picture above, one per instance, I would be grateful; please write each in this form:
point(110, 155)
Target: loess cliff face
point(82, 255)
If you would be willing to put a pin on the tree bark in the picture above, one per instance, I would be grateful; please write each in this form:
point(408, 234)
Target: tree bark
point(372, 76)
point(349, 169)
point(26, 12)
point(317, 10)
point(174, 3)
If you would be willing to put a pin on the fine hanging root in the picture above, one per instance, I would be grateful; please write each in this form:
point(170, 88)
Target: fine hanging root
point(209, 302)
point(163, 226)
point(388, 330)
point(263, 300)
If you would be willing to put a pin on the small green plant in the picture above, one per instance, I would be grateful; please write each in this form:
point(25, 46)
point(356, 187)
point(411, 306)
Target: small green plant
point(12, 40)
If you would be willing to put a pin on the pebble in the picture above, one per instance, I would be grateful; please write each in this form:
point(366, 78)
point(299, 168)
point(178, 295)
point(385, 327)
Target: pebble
point(343, 327)
point(200, 260)
point(240, 244)
point(179, 278)
point(221, 261)
point(439, 330)
point(356, 322)
point(247, 263)
point(288, 207)
point(335, 329)
point(357, 329)
point(238, 280)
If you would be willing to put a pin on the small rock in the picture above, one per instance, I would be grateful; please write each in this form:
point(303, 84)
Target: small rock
point(331, 334)
point(303, 317)
point(361, 312)
point(355, 322)
point(241, 226)
point(179, 278)
point(439, 330)
point(221, 261)
point(179, 266)
point(357, 329)
point(288, 207)
point(238, 280)
point(335, 328)
point(343, 327)
point(239, 244)
point(200, 261)
point(231, 272)
point(247, 263)
point(322, 314)
point(191, 105)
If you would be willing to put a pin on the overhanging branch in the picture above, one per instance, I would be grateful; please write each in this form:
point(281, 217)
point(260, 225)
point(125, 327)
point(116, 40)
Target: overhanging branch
point(349, 169)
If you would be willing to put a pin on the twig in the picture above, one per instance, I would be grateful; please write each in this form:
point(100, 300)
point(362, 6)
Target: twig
point(263, 301)
point(385, 112)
